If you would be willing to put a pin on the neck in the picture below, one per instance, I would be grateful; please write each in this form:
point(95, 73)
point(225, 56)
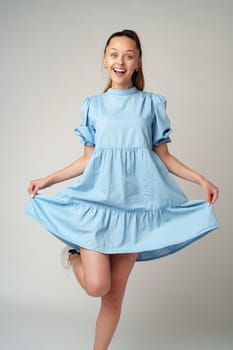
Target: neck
point(121, 86)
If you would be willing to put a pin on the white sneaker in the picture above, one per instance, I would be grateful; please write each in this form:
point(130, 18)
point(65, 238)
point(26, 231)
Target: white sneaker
point(65, 257)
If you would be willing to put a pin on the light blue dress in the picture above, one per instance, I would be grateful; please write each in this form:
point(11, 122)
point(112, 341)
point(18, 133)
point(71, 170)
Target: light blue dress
point(126, 200)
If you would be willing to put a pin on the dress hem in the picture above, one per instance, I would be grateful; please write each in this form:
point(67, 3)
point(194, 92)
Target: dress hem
point(144, 255)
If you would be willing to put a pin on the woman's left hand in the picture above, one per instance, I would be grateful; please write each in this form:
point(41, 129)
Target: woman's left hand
point(211, 191)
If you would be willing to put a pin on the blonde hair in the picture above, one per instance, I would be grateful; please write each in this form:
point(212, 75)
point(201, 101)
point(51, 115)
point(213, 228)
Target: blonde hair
point(137, 77)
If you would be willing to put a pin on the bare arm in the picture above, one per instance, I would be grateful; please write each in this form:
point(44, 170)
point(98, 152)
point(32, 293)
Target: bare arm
point(179, 169)
point(74, 169)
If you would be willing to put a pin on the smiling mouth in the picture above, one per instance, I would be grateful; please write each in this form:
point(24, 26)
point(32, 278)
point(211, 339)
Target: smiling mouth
point(119, 71)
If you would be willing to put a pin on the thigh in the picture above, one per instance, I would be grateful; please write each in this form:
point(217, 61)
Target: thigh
point(121, 267)
point(96, 267)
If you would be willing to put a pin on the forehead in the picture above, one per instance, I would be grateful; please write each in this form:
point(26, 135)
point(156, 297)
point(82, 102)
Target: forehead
point(122, 43)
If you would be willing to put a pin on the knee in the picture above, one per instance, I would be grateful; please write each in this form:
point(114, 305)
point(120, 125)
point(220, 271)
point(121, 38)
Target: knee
point(113, 299)
point(97, 288)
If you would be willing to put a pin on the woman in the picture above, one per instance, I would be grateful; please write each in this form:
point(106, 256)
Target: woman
point(125, 205)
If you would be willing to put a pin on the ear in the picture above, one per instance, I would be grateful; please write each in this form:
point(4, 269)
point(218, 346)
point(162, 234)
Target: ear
point(104, 63)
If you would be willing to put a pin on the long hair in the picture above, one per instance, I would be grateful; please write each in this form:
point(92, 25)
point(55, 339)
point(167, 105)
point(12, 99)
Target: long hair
point(137, 77)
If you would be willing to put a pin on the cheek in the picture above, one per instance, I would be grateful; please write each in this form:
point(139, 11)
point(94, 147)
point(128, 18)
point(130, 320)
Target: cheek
point(109, 63)
point(133, 67)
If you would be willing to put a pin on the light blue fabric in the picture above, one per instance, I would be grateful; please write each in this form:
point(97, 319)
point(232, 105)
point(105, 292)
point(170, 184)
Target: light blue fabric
point(125, 200)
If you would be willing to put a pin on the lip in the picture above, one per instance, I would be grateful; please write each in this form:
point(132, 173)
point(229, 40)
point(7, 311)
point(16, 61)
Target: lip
point(119, 70)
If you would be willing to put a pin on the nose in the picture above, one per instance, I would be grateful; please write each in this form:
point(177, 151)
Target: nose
point(120, 59)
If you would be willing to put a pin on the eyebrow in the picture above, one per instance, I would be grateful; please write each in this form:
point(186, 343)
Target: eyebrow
point(112, 48)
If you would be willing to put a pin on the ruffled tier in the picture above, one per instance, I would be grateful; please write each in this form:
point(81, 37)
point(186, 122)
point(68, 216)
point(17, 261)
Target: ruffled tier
point(151, 233)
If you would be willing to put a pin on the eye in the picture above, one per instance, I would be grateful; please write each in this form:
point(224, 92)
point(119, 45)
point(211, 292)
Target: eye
point(113, 55)
point(130, 57)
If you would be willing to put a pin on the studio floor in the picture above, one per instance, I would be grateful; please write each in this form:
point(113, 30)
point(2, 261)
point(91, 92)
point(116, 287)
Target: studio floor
point(26, 327)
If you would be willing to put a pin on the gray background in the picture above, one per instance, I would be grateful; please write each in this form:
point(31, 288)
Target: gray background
point(51, 54)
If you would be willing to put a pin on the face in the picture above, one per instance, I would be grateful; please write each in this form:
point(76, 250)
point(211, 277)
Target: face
point(121, 59)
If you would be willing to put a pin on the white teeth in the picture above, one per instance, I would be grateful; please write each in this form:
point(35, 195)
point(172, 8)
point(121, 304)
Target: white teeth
point(119, 70)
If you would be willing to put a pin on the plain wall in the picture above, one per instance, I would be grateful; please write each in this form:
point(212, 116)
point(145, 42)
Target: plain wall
point(51, 54)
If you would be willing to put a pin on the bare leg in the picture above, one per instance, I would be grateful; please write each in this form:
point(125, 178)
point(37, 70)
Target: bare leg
point(76, 263)
point(109, 315)
point(104, 276)
point(92, 270)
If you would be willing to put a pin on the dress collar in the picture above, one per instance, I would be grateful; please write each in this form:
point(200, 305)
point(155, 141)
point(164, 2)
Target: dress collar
point(122, 91)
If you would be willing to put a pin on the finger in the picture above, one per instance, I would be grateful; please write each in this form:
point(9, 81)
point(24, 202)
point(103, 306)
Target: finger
point(214, 196)
point(31, 188)
point(211, 201)
point(34, 191)
point(208, 197)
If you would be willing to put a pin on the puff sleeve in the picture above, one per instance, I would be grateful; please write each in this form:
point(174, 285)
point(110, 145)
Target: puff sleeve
point(161, 128)
point(86, 130)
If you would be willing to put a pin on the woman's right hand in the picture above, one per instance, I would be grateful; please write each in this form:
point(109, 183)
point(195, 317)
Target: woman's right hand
point(36, 185)
point(70, 171)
